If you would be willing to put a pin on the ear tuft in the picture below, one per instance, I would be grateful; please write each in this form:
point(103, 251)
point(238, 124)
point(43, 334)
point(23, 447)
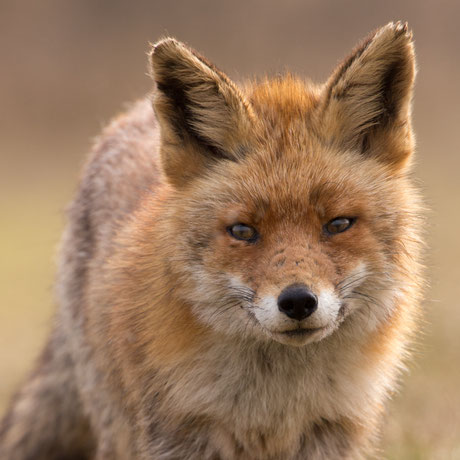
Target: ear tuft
point(198, 107)
point(367, 101)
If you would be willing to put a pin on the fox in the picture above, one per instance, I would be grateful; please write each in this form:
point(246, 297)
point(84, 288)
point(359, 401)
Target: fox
point(240, 277)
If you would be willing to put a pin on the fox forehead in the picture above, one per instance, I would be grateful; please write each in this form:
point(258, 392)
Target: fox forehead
point(282, 101)
point(290, 183)
point(288, 165)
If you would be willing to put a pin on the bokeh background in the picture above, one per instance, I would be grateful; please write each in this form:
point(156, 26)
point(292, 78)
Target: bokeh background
point(67, 67)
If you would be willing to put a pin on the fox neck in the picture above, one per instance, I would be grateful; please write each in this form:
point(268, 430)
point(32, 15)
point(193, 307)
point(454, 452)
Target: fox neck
point(218, 378)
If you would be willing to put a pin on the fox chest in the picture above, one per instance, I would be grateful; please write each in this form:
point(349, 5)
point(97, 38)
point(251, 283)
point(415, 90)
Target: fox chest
point(260, 406)
point(256, 413)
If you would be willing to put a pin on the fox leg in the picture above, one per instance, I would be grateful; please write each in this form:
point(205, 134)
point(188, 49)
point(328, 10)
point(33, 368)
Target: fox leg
point(45, 419)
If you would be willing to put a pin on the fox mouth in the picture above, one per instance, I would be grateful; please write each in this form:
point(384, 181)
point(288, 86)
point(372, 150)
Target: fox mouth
point(300, 332)
point(298, 335)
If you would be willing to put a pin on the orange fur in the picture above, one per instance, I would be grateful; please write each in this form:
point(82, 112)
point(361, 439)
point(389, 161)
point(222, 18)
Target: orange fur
point(171, 328)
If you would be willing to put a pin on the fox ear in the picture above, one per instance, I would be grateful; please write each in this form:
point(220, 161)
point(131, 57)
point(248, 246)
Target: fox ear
point(203, 116)
point(366, 104)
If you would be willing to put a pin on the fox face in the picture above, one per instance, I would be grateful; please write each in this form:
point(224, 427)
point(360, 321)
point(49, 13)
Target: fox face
point(289, 202)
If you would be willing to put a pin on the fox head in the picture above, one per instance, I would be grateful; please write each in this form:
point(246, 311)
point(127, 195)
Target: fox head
point(289, 208)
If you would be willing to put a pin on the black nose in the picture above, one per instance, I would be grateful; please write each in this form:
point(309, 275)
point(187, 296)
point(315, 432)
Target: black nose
point(297, 302)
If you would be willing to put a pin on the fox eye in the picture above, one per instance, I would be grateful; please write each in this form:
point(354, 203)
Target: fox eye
point(338, 225)
point(243, 232)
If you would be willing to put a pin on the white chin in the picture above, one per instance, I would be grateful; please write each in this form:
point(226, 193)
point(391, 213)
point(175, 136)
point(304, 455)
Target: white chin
point(300, 337)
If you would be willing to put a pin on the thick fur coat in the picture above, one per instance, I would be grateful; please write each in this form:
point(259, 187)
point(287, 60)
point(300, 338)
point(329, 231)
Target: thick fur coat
point(170, 340)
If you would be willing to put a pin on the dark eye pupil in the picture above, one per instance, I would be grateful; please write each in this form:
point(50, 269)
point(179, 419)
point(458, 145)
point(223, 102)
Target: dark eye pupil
point(242, 232)
point(338, 225)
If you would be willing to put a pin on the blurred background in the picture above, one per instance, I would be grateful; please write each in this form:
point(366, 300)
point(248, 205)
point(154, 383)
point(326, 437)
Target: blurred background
point(69, 66)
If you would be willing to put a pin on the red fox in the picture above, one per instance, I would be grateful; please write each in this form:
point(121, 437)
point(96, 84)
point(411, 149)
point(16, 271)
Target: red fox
point(240, 276)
